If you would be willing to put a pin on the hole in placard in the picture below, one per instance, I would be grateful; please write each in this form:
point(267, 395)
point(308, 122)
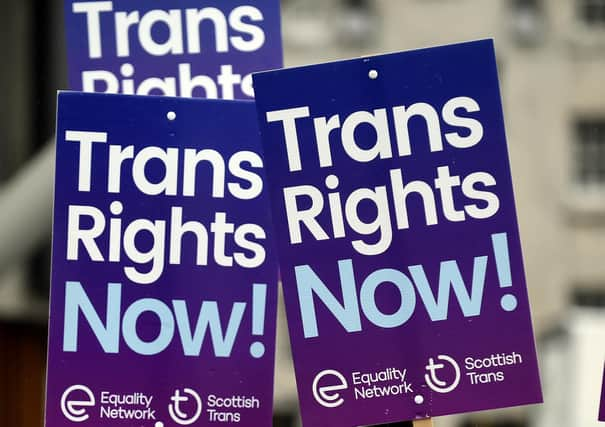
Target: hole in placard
point(127, 70)
point(171, 115)
point(373, 74)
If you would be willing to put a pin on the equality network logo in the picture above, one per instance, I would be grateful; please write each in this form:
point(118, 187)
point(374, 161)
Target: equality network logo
point(442, 376)
point(75, 401)
point(326, 387)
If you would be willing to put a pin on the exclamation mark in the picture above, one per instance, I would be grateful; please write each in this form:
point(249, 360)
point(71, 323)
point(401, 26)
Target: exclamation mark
point(259, 298)
point(500, 244)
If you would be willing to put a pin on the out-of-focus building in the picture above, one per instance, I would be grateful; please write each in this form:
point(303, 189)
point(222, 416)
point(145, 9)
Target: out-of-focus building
point(33, 64)
point(551, 56)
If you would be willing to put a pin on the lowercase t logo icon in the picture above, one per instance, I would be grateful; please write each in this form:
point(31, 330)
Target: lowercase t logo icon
point(432, 378)
point(176, 409)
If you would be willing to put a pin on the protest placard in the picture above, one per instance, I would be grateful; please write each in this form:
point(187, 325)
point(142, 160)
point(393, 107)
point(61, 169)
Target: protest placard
point(398, 240)
point(200, 48)
point(164, 277)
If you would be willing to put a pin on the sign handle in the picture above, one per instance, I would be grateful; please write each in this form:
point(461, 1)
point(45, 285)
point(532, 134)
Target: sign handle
point(427, 422)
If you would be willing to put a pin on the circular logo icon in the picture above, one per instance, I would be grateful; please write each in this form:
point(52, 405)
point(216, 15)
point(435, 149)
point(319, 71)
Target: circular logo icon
point(74, 406)
point(327, 395)
point(177, 410)
point(434, 381)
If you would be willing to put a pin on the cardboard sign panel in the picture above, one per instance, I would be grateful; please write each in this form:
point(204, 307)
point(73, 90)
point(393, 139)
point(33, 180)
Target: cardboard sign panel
point(164, 276)
point(398, 240)
point(188, 48)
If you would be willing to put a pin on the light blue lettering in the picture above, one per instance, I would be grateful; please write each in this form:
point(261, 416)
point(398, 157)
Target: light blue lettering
point(308, 284)
point(129, 326)
point(108, 332)
point(368, 298)
point(76, 300)
point(450, 277)
point(208, 319)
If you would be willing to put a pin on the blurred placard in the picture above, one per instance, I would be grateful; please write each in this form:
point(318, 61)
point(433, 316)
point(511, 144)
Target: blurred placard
point(164, 278)
point(199, 48)
point(398, 240)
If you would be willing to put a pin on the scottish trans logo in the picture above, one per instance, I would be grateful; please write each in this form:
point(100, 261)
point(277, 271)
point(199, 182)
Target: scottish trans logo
point(435, 373)
point(187, 399)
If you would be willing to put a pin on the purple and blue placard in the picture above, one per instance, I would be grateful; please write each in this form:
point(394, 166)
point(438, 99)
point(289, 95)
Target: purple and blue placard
point(188, 48)
point(397, 235)
point(164, 276)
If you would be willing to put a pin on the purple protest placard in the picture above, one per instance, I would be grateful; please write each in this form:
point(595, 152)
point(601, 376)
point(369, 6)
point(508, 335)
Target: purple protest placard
point(164, 277)
point(397, 235)
point(199, 48)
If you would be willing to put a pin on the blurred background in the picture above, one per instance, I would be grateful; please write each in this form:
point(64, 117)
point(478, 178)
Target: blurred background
point(551, 57)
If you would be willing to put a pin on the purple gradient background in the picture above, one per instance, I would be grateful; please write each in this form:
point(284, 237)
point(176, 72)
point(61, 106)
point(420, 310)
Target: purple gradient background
point(225, 126)
point(427, 75)
point(208, 62)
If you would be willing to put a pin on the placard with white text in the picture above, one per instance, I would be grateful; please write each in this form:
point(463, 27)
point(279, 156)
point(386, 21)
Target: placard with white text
point(164, 277)
point(188, 48)
point(397, 235)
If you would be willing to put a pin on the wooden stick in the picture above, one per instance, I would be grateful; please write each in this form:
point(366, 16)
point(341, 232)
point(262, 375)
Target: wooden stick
point(427, 422)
